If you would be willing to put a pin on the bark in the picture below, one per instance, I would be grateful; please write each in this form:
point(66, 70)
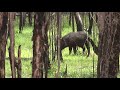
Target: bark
point(37, 63)
point(12, 44)
point(19, 67)
point(3, 41)
point(78, 21)
point(22, 21)
point(95, 48)
point(73, 27)
point(46, 46)
point(59, 36)
point(40, 45)
point(70, 18)
point(30, 18)
point(52, 41)
point(90, 22)
point(108, 56)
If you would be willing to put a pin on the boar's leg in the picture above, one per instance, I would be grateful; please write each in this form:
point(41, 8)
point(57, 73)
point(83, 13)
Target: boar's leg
point(74, 49)
point(83, 49)
point(70, 49)
point(61, 57)
point(88, 47)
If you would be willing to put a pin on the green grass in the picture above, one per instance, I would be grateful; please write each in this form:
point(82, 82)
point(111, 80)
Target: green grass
point(78, 66)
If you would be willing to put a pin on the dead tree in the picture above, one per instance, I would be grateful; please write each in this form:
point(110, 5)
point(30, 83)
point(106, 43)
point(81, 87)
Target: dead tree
point(108, 56)
point(3, 41)
point(12, 43)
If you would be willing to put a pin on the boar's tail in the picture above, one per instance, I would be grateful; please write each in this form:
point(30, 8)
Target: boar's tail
point(95, 48)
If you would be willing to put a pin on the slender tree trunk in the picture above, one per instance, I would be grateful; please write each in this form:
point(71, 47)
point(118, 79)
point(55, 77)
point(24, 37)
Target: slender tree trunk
point(73, 26)
point(19, 62)
point(21, 22)
point(108, 56)
point(90, 22)
point(52, 39)
point(24, 18)
point(46, 47)
point(55, 38)
point(12, 44)
point(3, 41)
point(95, 48)
point(78, 21)
point(70, 18)
point(59, 36)
point(30, 18)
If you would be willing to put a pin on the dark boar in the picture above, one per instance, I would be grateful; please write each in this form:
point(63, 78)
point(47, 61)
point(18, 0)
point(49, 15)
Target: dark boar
point(74, 39)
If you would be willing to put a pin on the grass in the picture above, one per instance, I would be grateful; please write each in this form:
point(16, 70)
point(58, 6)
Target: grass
point(78, 66)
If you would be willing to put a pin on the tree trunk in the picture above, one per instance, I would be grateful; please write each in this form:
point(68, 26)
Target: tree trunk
point(30, 18)
point(78, 21)
point(46, 47)
point(90, 22)
point(19, 62)
point(108, 56)
point(12, 44)
point(38, 45)
point(95, 48)
point(22, 21)
point(59, 36)
point(3, 41)
point(70, 18)
point(73, 26)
